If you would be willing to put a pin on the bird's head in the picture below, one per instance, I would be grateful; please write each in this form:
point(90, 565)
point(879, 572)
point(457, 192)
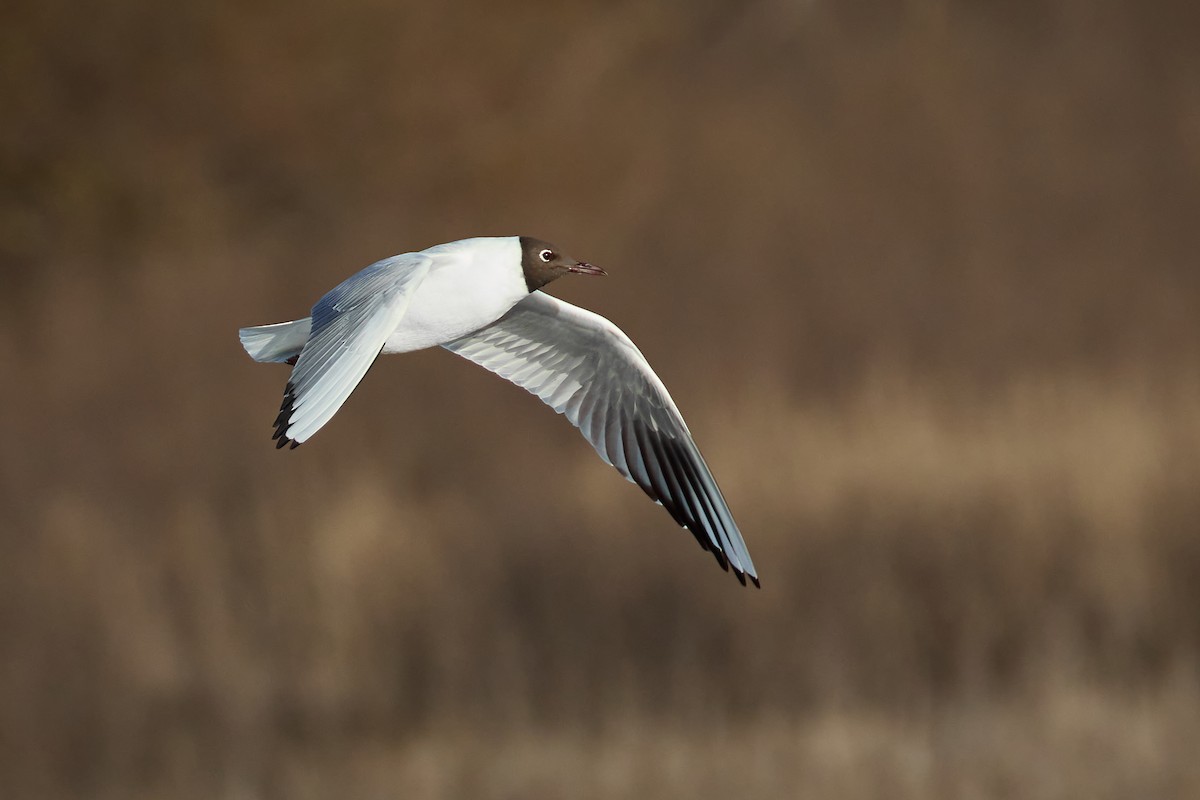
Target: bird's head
point(543, 262)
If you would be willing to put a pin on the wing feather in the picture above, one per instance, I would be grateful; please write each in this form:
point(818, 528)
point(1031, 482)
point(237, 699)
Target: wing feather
point(350, 325)
point(586, 369)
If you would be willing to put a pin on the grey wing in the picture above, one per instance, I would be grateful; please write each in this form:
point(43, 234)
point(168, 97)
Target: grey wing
point(349, 327)
point(587, 369)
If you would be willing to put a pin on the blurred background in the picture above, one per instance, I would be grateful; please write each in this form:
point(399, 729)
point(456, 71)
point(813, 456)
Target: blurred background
point(921, 275)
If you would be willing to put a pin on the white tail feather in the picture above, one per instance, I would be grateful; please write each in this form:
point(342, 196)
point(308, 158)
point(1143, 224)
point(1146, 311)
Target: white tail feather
point(276, 343)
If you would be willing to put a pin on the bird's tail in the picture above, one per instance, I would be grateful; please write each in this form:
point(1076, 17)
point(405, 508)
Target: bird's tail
point(280, 343)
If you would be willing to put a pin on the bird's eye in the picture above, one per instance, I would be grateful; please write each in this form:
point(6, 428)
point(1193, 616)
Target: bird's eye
point(546, 256)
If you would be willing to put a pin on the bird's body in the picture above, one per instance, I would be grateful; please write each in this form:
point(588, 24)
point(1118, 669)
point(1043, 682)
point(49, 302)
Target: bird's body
point(471, 283)
point(479, 299)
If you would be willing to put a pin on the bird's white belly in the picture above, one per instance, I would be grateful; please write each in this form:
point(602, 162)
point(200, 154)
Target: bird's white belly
point(451, 303)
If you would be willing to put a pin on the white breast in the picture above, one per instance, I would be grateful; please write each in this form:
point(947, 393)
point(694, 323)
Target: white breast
point(471, 284)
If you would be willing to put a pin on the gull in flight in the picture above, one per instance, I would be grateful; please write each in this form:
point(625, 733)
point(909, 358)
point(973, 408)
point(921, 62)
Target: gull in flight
point(481, 299)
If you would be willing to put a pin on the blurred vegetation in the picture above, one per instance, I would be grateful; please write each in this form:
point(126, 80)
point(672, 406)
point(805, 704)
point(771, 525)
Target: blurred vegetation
point(922, 276)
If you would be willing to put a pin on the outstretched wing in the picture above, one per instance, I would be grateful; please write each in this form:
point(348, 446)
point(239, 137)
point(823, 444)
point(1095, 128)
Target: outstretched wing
point(349, 327)
point(585, 368)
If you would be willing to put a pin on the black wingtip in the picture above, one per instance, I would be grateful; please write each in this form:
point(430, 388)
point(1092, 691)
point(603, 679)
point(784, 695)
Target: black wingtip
point(742, 576)
point(285, 414)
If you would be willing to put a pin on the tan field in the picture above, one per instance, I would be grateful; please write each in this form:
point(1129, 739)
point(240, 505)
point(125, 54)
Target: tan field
point(922, 276)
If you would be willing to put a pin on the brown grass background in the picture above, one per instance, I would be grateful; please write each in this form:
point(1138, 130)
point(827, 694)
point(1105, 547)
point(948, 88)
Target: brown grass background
point(922, 275)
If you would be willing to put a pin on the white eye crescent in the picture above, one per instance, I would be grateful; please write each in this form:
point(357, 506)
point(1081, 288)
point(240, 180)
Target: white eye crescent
point(546, 256)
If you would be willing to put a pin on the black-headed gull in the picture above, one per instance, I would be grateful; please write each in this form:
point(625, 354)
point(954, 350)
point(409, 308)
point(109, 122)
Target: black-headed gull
point(479, 298)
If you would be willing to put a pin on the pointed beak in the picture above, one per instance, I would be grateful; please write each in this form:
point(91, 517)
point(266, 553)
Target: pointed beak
point(584, 268)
